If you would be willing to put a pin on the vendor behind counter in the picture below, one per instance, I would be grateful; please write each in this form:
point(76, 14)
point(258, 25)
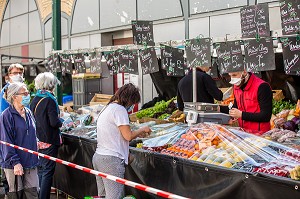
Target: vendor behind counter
point(253, 102)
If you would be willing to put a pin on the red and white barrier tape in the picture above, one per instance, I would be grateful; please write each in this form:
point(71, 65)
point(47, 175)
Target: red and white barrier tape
point(145, 188)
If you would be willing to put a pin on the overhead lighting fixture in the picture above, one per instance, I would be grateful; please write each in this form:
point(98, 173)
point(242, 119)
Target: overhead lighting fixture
point(279, 48)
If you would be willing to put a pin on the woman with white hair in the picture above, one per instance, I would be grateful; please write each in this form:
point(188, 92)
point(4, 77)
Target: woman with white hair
point(46, 112)
point(17, 126)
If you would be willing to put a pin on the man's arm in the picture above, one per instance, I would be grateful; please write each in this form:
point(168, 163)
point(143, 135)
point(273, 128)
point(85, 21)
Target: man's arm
point(265, 97)
point(212, 88)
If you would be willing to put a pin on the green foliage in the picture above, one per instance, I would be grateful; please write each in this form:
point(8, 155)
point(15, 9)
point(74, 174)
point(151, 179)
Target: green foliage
point(157, 108)
point(280, 105)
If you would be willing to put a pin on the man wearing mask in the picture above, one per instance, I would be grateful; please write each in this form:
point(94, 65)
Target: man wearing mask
point(253, 102)
point(15, 74)
point(207, 90)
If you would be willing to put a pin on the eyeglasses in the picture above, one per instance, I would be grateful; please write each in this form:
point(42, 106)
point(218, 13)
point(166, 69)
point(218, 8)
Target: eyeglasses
point(25, 93)
point(17, 73)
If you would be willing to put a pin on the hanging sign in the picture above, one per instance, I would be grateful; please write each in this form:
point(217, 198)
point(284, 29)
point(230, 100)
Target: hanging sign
point(172, 61)
point(56, 63)
point(32, 71)
point(230, 57)
point(128, 60)
point(289, 12)
point(291, 55)
point(79, 63)
point(259, 55)
point(198, 52)
point(112, 61)
point(66, 63)
point(143, 32)
point(255, 21)
point(95, 62)
point(49, 64)
point(148, 60)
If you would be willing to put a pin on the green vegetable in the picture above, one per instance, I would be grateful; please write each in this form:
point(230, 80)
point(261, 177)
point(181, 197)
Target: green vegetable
point(158, 107)
point(164, 116)
point(280, 105)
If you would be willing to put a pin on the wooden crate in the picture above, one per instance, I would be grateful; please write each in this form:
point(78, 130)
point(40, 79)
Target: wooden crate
point(278, 95)
point(100, 99)
point(86, 75)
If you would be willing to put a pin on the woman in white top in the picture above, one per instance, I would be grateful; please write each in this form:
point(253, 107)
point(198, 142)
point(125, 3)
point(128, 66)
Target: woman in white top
point(113, 136)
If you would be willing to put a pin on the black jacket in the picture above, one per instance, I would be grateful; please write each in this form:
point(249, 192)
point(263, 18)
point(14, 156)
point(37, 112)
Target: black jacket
point(207, 90)
point(47, 120)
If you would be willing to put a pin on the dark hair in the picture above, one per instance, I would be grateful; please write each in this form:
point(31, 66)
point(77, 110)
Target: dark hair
point(127, 95)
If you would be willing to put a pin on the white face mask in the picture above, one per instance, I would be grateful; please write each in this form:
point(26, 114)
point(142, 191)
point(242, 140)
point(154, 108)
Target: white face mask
point(236, 81)
point(17, 78)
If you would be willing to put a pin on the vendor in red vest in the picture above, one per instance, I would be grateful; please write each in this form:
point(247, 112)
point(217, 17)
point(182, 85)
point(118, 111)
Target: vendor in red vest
point(253, 102)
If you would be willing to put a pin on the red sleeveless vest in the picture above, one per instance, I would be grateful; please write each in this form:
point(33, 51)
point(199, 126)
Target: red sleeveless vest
point(247, 100)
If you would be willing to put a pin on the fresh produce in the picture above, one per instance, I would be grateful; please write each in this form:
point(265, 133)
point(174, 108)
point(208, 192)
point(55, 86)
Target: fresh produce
point(295, 173)
point(280, 105)
point(177, 116)
point(289, 125)
point(158, 109)
point(279, 135)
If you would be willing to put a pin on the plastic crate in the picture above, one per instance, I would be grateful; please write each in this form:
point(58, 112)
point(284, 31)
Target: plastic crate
point(86, 85)
point(67, 98)
point(80, 99)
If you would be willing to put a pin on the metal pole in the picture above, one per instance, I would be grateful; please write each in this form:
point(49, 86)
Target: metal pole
point(56, 40)
point(194, 84)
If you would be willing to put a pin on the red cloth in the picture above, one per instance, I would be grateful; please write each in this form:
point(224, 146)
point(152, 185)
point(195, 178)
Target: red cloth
point(247, 101)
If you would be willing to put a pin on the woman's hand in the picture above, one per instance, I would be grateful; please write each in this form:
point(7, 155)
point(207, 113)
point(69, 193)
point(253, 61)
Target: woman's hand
point(145, 131)
point(18, 170)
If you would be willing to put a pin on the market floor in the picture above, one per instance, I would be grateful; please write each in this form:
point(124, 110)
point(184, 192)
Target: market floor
point(53, 196)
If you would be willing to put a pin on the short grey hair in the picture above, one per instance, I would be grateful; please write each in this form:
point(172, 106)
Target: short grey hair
point(12, 90)
point(16, 65)
point(46, 81)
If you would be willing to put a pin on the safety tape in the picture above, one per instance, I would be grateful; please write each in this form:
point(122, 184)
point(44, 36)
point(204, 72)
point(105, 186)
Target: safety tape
point(142, 187)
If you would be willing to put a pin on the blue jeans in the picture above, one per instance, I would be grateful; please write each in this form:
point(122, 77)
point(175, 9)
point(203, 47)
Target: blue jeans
point(46, 170)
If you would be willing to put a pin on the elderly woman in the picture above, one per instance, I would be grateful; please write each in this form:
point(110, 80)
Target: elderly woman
point(46, 112)
point(18, 127)
point(113, 136)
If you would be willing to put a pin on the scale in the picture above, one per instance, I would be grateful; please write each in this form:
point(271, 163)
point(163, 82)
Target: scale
point(198, 112)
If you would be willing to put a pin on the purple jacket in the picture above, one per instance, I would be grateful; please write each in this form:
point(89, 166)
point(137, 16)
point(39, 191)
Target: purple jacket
point(15, 130)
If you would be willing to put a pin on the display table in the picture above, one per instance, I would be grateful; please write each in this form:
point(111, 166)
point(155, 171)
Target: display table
point(179, 176)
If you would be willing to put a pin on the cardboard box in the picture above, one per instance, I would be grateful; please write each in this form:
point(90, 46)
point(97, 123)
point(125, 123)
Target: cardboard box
point(100, 99)
point(278, 95)
point(86, 75)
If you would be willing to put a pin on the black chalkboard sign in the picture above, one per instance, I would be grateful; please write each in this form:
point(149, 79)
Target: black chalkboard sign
point(66, 63)
point(79, 63)
point(291, 55)
point(112, 61)
point(214, 69)
point(230, 57)
point(259, 55)
point(172, 61)
point(32, 71)
point(56, 63)
point(128, 60)
point(255, 21)
point(148, 60)
point(95, 62)
point(198, 52)
point(143, 32)
point(289, 12)
point(49, 65)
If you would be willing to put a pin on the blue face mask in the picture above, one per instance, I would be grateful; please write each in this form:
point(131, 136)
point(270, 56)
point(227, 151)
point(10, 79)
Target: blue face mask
point(130, 108)
point(25, 100)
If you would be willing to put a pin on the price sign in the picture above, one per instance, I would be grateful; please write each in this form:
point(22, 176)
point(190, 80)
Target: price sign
point(172, 61)
point(143, 32)
point(198, 52)
point(255, 21)
point(230, 57)
point(259, 55)
point(148, 60)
